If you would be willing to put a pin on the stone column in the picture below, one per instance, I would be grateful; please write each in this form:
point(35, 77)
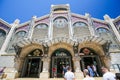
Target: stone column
point(31, 27)
point(110, 21)
point(90, 23)
point(45, 71)
point(7, 40)
point(78, 72)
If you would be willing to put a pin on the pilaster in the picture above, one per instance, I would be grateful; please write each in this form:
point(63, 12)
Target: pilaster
point(45, 71)
point(31, 27)
point(50, 34)
point(91, 26)
point(8, 38)
point(78, 72)
point(109, 20)
point(70, 25)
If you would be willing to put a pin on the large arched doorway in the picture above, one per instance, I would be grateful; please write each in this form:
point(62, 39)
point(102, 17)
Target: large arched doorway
point(32, 66)
point(89, 58)
point(59, 58)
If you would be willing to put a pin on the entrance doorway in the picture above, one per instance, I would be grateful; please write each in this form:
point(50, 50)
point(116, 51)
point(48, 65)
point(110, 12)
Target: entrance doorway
point(32, 67)
point(59, 58)
point(89, 61)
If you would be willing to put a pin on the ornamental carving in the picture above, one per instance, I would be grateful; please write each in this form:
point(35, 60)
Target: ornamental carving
point(86, 51)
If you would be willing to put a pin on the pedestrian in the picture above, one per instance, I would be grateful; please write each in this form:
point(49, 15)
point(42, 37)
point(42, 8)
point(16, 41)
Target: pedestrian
point(1, 72)
point(87, 75)
point(107, 75)
point(69, 75)
point(94, 70)
point(64, 70)
point(90, 70)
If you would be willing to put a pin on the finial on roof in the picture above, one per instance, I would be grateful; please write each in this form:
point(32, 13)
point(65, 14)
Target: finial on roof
point(34, 17)
point(17, 21)
point(87, 15)
point(106, 17)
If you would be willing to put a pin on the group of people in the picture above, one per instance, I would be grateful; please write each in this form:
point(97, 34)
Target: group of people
point(107, 75)
point(69, 75)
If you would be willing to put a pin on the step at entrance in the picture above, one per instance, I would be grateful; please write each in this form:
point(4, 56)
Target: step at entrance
point(96, 78)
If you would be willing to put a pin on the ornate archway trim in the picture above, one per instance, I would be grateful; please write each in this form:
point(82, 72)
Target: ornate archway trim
point(26, 41)
point(60, 40)
point(61, 45)
point(27, 49)
point(98, 40)
point(93, 45)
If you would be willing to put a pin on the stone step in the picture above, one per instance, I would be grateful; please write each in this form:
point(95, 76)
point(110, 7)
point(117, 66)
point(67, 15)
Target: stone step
point(96, 78)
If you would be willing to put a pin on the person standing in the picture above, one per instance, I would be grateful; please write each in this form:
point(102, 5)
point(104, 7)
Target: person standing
point(107, 74)
point(87, 75)
point(94, 70)
point(64, 70)
point(91, 72)
point(69, 75)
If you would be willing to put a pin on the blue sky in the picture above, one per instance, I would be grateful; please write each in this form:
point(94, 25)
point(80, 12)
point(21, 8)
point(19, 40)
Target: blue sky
point(25, 9)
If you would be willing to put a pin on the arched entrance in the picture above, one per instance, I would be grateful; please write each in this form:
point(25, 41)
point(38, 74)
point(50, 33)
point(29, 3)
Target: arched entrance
point(90, 58)
point(32, 66)
point(59, 58)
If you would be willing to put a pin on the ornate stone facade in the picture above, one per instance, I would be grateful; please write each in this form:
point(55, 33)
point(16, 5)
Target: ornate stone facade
point(60, 38)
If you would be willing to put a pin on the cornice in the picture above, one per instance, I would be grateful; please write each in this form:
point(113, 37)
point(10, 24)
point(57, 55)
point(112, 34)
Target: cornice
point(78, 15)
point(37, 19)
point(99, 20)
point(6, 23)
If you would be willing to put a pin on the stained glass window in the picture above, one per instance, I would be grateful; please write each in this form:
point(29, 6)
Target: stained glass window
point(42, 25)
point(60, 22)
point(102, 30)
point(21, 33)
point(79, 24)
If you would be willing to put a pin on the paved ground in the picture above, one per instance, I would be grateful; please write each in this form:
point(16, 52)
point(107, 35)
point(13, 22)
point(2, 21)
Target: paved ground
point(98, 78)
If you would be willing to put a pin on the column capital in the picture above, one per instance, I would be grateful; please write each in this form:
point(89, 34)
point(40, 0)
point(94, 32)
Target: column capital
point(46, 59)
point(77, 58)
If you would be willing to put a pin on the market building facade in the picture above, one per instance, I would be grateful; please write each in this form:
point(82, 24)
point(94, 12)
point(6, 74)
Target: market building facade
point(40, 47)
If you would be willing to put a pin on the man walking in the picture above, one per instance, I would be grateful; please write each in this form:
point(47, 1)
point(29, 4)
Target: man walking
point(107, 75)
point(69, 75)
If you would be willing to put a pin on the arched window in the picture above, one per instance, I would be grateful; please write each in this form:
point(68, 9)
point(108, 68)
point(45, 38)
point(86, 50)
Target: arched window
point(79, 24)
point(102, 30)
point(21, 33)
point(42, 25)
point(2, 33)
point(60, 22)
